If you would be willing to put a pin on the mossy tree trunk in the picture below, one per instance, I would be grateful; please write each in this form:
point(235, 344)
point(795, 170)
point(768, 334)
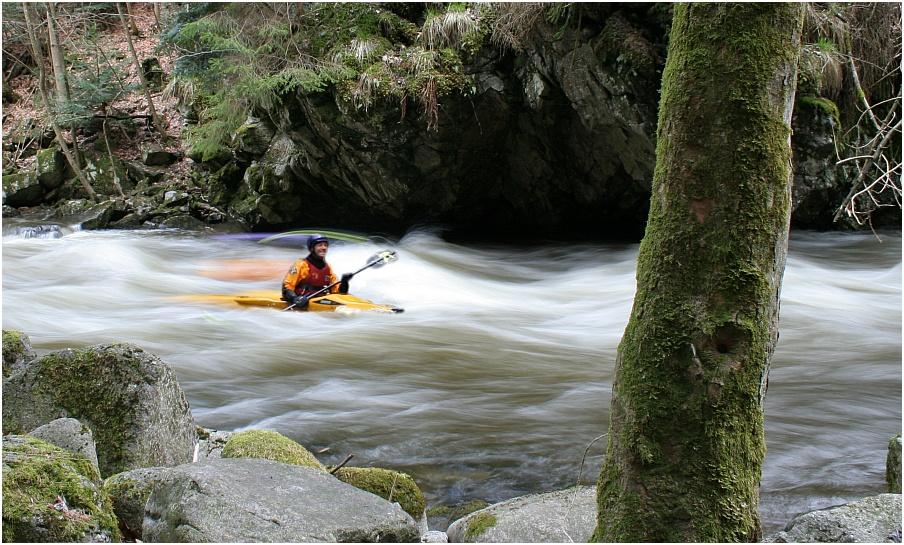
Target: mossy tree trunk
point(686, 441)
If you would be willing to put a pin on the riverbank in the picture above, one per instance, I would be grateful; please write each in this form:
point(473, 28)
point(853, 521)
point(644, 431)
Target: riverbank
point(135, 424)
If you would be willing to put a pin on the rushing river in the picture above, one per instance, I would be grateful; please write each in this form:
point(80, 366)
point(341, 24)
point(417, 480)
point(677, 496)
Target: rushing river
point(496, 377)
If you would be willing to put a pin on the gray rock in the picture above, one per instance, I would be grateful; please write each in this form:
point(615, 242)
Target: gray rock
point(17, 351)
point(22, 189)
point(562, 516)
point(153, 155)
point(434, 536)
point(50, 167)
point(870, 520)
point(211, 443)
point(247, 499)
point(69, 434)
point(91, 216)
point(129, 398)
point(129, 491)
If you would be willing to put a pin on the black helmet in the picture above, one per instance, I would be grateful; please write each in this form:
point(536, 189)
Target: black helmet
point(316, 239)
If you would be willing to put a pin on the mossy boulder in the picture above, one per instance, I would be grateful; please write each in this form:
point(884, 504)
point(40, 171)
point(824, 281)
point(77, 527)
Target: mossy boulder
point(69, 434)
point(105, 172)
point(50, 166)
point(128, 397)
point(269, 445)
point(17, 351)
point(129, 492)
point(52, 495)
point(251, 500)
point(389, 485)
point(893, 465)
point(22, 189)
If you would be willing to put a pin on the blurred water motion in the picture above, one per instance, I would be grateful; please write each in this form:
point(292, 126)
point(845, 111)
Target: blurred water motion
point(497, 376)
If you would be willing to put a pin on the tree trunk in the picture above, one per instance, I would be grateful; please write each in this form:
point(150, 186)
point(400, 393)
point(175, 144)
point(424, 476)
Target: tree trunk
point(144, 84)
point(686, 440)
point(38, 54)
point(56, 55)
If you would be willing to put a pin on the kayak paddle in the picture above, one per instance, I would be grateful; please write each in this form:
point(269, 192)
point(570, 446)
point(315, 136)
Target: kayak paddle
point(376, 260)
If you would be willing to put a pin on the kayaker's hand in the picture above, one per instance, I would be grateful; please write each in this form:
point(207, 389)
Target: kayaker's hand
point(300, 302)
point(343, 283)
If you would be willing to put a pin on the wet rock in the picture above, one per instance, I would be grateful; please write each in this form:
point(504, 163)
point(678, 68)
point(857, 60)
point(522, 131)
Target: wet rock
point(51, 495)
point(441, 516)
point(389, 485)
point(17, 351)
point(870, 520)
point(129, 398)
point(241, 500)
point(69, 434)
point(269, 445)
point(818, 186)
point(893, 465)
point(129, 492)
point(563, 516)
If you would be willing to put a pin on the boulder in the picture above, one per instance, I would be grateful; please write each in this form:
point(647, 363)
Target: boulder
point(129, 398)
point(153, 155)
point(50, 166)
point(69, 434)
point(870, 520)
point(434, 536)
point(563, 516)
point(893, 465)
point(211, 443)
point(22, 189)
point(105, 173)
point(17, 351)
point(91, 216)
point(129, 492)
point(441, 516)
point(229, 500)
point(51, 495)
point(269, 445)
point(153, 73)
point(389, 485)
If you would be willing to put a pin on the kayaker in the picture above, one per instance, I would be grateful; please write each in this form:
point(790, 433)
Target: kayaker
point(311, 274)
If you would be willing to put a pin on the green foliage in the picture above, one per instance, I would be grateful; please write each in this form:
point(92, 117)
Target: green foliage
point(240, 57)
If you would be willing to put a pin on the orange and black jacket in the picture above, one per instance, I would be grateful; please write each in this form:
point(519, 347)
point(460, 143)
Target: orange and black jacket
point(305, 278)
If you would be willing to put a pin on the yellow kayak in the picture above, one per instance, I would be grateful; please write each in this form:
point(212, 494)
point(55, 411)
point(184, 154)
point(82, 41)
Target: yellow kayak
point(334, 302)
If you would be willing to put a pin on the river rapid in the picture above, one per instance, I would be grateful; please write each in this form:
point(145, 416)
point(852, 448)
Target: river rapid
point(497, 376)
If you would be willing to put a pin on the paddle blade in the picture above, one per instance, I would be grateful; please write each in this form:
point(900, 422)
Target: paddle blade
point(382, 258)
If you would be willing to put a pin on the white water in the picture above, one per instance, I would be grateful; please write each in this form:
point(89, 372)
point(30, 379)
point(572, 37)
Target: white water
point(496, 377)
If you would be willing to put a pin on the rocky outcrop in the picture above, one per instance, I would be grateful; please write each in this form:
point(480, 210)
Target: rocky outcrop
point(17, 351)
point(566, 126)
point(241, 500)
point(871, 520)
point(52, 495)
point(71, 435)
point(129, 398)
point(129, 492)
point(563, 516)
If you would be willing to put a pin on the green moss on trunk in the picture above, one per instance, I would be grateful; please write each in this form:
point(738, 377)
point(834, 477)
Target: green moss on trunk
point(686, 440)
